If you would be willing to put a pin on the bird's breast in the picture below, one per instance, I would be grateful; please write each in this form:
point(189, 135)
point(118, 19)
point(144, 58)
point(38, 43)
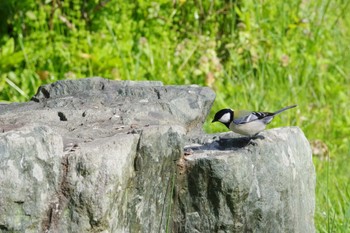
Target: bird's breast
point(248, 129)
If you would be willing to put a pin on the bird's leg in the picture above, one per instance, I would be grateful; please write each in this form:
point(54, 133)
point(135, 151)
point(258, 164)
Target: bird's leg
point(257, 136)
point(252, 139)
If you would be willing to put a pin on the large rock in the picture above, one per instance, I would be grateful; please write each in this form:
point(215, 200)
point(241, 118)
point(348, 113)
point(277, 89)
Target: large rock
point(95, 155)
point(229, 184)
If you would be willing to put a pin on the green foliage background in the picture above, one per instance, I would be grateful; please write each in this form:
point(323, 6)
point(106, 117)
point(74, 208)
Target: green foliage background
point(260, 55)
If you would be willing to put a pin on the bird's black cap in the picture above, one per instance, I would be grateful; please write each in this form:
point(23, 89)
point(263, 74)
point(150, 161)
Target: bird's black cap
point(222, 112)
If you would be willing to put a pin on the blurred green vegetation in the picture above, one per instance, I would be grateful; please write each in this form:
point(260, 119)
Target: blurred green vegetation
point(260, 55)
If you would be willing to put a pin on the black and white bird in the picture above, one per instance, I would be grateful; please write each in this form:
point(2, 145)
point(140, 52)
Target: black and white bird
point(246, 122)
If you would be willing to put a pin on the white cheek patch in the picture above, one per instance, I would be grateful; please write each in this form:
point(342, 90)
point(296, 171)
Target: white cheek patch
point(225, 118)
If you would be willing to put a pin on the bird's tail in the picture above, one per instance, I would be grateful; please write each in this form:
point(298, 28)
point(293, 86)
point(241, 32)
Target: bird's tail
point(284, 109)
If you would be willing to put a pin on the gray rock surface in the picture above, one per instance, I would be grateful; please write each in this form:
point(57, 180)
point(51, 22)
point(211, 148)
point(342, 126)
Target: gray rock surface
point(30, 164)
point(95, 155)
point(229, 184)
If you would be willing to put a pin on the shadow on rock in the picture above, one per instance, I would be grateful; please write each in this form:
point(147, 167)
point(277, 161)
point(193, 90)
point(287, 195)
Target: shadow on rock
point(222, 143)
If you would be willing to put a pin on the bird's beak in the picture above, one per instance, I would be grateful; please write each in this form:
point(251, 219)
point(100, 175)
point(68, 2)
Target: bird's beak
point(213, 121)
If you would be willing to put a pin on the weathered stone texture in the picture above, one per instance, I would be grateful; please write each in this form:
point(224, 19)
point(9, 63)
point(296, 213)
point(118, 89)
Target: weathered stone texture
point(95, 155)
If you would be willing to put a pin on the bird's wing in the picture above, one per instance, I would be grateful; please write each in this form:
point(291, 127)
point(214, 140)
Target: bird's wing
point(243, 117)
point(241, 113)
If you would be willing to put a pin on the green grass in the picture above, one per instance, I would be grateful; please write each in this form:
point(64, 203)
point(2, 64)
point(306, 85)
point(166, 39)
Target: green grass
point(260, 55)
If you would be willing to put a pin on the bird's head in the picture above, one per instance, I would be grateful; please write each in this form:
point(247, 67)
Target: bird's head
point(224, 116)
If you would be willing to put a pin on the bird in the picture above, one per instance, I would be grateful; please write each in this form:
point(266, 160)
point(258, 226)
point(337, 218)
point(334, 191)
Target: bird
point(247, 123)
